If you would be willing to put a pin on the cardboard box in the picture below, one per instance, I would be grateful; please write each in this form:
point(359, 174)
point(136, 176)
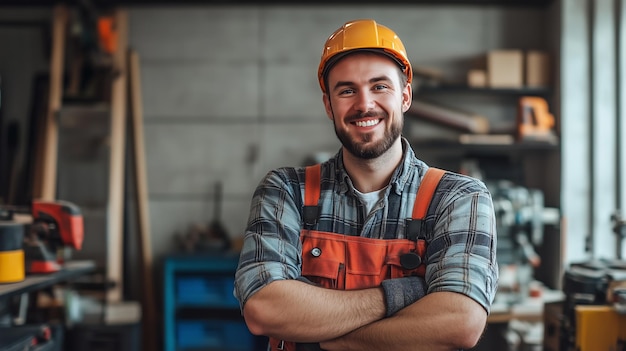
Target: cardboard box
point(505, 69)
point(477, 78)
point(537, 73)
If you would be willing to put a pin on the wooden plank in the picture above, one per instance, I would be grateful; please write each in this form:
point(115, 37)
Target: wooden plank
point(115, 208)
point(46, 175)
point(149, 322)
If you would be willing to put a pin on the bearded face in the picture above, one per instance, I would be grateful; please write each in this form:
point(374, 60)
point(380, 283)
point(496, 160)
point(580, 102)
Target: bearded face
point(366, 100)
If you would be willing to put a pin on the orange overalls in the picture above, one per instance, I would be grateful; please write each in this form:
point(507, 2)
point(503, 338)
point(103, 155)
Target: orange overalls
point(343, 262)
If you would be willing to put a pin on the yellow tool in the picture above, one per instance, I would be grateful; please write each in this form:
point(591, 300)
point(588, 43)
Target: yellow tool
point(594, 306)
point(603, 327)
point(600, 328)
point(534, 120)
point(11, 253)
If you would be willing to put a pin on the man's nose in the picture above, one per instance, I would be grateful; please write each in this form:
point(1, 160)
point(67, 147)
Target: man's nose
point(364, 101)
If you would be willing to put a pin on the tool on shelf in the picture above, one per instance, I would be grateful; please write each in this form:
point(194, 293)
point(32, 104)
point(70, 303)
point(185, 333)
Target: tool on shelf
point(594, 310)
point(55, 224)
point(11, 252)
point(534, 120)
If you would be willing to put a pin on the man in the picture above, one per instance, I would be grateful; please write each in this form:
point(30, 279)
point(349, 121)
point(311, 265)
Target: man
point(331, 255)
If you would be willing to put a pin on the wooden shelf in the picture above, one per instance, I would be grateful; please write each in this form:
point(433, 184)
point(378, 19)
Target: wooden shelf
point(70, 270)
point(464, 89)
point(449, 147)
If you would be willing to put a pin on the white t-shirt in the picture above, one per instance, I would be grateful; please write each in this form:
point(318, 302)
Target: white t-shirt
point(370, 199)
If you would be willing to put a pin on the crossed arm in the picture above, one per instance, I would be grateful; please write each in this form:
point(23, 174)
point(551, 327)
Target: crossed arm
point(355, 319)
point(439, 321)
point(297, 311)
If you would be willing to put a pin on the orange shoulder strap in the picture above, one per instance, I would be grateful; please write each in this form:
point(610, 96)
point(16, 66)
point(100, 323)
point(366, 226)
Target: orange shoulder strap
point(426, 191)
point(312, 180)
point(422, 202)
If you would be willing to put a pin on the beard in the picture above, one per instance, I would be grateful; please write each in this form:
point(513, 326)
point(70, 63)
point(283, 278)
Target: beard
point(360, 147)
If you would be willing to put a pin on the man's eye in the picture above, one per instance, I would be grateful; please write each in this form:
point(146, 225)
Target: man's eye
point(346, 92)
point(380, 87)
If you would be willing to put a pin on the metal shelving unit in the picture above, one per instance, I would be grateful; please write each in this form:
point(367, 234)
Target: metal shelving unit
point(199, 309)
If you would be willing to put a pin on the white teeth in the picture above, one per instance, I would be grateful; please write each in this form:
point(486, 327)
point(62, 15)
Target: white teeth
point(368, 123)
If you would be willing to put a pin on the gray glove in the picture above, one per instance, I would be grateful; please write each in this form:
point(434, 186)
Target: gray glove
point(401, 292)
point(308, 347)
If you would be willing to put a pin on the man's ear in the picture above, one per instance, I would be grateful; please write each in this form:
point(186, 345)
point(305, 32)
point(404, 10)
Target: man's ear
point(327, 107)
point(407, 97)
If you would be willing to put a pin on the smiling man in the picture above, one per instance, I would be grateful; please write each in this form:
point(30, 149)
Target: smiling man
point(372, 249)
point(370, 101)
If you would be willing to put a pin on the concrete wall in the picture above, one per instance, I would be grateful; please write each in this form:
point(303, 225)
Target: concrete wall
point(231, 92)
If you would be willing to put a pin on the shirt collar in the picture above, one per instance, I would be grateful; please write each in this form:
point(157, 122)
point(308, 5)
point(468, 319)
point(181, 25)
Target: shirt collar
point(401, 175)
point(406, 169)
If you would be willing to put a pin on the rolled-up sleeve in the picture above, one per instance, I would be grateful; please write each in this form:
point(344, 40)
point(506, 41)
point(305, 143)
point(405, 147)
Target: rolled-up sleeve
point(271, 246)
point(462, 253)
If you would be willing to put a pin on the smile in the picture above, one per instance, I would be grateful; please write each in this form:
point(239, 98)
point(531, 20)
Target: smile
point(368, 123)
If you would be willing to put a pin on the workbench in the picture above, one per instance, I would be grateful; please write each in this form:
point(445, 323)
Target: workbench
point(34, 282)
point(508, 309)
point(14, 332)
point(530, 309)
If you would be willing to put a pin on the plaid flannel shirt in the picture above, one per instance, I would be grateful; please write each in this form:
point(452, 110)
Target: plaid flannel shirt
point(460, 223)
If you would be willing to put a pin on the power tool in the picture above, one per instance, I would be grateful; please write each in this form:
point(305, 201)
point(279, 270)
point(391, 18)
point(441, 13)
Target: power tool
point(55, 224)
point(534, 121)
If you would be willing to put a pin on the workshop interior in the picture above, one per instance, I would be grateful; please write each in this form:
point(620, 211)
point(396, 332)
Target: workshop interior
point(133, 134)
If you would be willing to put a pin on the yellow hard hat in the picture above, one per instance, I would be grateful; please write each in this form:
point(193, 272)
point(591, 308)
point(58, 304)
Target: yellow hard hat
point(364, 34)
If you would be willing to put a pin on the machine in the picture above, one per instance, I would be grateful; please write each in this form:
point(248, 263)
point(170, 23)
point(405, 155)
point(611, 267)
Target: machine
point(27, 338)
point(594, 310)
point(54, 225)
point(593, 315)
point(520, 220)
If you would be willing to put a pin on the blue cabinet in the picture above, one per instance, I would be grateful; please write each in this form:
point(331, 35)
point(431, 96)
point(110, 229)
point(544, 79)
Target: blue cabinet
point(200, 311)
